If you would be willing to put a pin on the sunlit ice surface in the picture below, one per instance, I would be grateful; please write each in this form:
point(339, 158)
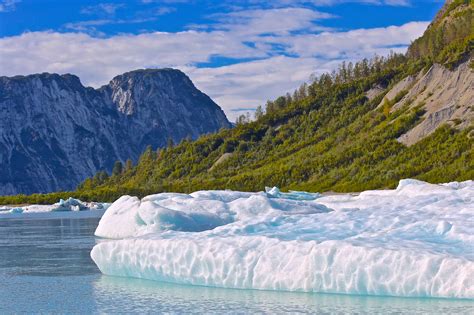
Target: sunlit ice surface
point(413, 241)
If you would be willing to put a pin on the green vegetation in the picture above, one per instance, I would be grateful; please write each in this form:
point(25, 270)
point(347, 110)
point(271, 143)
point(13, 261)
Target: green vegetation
point(450, 38)
point(327, 135)
point(118, 168)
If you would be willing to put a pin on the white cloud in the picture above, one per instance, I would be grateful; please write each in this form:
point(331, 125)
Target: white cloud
point(276, 21)
point(8, 5)
point(97, 60)
point(247, 85)
point(91, 26)
point(106, 16)
point(355, 43)
point(403, 3)
point(282, 50)
point(102, 8)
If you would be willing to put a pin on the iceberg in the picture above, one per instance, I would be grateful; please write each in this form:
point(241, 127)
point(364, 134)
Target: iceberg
point(197, 212)
point(414, 241)
point(68, 208)
point(16, 210)
point(70, 204)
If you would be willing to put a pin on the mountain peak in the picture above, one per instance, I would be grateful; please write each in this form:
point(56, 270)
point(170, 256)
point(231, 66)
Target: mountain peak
point(143, 91)
point(151, 72)
point(449, 7)
point(54, 132)
point(45, 76)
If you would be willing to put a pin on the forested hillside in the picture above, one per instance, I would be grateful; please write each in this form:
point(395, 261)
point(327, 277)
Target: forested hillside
point(337, 133)
point(450, 37)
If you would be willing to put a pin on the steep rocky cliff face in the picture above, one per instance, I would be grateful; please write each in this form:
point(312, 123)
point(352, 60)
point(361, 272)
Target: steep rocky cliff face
point(54, 132)
point(446, 96)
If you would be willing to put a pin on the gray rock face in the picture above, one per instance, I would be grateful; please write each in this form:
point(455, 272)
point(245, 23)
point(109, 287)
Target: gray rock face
point(54, 132)
point(446, 95)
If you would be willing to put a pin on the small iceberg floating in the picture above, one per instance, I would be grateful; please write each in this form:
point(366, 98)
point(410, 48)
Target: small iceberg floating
point(63, 209)
point(16, 210)
point(416, 240)
point(70, 204)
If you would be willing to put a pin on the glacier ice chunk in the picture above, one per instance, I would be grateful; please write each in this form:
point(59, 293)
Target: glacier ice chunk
point(120, 219)
point(275, 192)
point(70, 204)
point(199, 211)
point(416, 240)
point(16, 210)
point(61, 209)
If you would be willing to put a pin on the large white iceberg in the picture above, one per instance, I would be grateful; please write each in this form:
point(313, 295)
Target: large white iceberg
point(416, 240)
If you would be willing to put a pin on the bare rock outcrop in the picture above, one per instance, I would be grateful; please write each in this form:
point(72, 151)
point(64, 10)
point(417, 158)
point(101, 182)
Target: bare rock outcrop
point(54, 132)
point(447, 96)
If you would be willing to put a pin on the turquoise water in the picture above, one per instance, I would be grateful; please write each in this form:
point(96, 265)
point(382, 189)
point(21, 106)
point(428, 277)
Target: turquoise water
point(45, 267)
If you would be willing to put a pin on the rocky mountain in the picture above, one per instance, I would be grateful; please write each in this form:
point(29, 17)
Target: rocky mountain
point(54, 132)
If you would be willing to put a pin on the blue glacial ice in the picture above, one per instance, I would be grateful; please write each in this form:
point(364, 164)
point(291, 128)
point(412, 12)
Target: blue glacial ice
point(69, 204)
point(416, 240)
point(292, 194)
point(16, 210)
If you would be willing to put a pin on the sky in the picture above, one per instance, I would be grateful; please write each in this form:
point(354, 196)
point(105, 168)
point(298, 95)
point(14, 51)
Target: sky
point(240, 53)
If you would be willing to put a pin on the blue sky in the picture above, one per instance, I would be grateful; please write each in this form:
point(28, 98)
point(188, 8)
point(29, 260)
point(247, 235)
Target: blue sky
point(239, 52)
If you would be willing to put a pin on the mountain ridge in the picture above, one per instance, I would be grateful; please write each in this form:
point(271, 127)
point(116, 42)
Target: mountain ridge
point(80, 130)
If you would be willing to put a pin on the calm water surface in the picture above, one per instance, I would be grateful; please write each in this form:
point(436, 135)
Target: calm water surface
point(45, 267)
